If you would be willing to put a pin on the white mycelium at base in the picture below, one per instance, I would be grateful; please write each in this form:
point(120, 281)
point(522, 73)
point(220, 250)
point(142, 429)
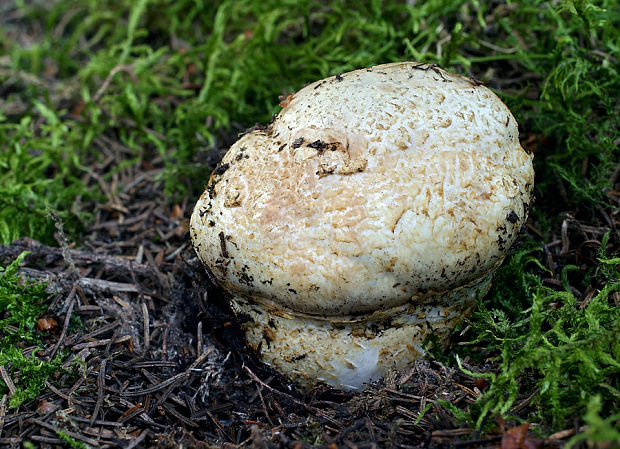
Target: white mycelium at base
point(359, 368)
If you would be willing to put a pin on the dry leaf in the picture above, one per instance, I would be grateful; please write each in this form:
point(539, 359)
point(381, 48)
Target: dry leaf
point(46, 325)
point(516, 438)
point(177, 213)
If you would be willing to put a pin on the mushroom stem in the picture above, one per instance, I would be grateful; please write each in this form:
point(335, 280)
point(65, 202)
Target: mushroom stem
point(348, 351)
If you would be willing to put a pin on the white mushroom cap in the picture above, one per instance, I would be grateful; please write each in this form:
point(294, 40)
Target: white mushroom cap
point(371, 191)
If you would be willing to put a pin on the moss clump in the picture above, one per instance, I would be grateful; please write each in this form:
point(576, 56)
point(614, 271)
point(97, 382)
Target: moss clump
point(548, 343)
point(20, 306)
point(38, 171)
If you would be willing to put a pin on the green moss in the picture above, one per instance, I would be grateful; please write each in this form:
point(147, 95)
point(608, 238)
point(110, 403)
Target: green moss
point(20, 306)
point(547, 342)
point(599, 431)
point(38, 172)
point(71, 442)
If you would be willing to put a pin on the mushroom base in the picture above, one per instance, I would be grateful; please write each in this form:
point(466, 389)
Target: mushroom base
point(346, 352)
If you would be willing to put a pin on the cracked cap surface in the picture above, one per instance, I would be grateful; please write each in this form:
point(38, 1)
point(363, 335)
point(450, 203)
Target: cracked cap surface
point(369, 189)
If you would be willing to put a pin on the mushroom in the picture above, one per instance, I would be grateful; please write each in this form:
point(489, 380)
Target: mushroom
point(366, 218)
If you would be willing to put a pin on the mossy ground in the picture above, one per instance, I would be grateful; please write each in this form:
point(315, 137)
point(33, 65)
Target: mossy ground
point(172, 83)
